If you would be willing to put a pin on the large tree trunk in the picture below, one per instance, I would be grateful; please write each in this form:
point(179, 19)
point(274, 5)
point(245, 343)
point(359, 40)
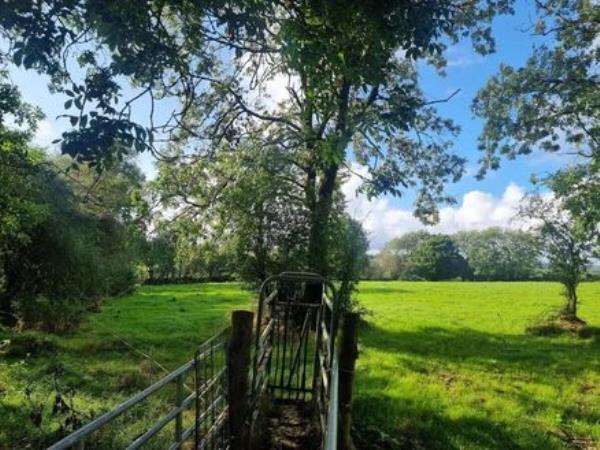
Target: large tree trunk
point(321, 212)
point(319, 233)
point(319, 230)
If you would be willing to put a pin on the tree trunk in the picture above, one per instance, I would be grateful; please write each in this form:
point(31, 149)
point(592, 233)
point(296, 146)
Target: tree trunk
point(317, 246)
point(571, 307)
point(321, 210)
point(573, 302)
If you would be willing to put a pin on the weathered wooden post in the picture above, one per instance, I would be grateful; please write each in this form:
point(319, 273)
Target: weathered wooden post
point(348, 353)
point(238, 364)
point(179, 397)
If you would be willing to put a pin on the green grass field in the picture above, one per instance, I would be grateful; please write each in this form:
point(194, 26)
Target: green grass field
point(449, 366)
point(442, 365)
point(164, 322)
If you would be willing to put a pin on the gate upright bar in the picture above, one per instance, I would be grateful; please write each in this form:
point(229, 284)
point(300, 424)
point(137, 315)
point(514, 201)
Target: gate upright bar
point(294, 344)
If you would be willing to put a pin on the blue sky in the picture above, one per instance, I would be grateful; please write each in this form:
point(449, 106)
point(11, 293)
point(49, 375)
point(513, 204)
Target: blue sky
point(480, 203)
point(469, 72)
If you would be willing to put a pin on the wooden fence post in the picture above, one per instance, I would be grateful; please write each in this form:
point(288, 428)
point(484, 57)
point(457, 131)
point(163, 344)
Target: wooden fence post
point(238, 364)
point(179, 397)
point(348, 353)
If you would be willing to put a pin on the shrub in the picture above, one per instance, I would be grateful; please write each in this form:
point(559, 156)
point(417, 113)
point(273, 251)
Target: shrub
point(51, 315)
point(25, 344)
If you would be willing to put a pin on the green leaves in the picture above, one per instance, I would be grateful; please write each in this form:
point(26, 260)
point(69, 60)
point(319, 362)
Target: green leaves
point(551, 103)
point(437, 258)
point(569, 243)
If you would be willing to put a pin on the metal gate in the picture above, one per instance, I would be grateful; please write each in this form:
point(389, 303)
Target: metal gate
point(294, 360)
point(294, 340)
point(207, 426)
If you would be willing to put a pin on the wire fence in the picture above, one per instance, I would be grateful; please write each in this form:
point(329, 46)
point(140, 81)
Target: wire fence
point(198, 413)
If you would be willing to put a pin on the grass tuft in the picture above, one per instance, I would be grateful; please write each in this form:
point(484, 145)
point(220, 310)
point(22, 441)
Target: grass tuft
point(557, 324)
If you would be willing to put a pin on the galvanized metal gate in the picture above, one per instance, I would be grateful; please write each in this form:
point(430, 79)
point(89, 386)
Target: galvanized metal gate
point(294, 354)
point(199, 412)
point(293, 361)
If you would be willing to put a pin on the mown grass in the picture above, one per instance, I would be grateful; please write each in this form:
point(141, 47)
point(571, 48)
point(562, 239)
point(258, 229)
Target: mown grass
point(103, 363)
point(450, 366)
point(442, 365)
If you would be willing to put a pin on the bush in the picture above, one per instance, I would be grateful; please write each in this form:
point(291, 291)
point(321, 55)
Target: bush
point(26, 344)
point(71, 263)
point(51, 315)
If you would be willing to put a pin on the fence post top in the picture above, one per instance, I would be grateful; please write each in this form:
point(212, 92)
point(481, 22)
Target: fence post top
point(350, 316)
point(242, 315)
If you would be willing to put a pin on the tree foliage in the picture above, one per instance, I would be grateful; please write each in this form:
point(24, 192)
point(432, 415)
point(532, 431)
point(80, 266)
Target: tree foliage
point(67, 238)
point(348, 68)
point(569, 243)
point(438, 258)
point(349, 259)
point(244, 198)
point(491, 254)
point(552, 102)
point(496, 254)
point(391, 263)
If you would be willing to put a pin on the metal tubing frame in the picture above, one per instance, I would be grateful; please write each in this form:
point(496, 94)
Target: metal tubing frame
point(181, 404)
point(325, 371)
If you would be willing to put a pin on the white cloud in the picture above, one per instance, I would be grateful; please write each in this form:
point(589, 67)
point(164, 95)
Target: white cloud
point(270, 93)
point(460, 56)
point(45, 133)
point(477, 210)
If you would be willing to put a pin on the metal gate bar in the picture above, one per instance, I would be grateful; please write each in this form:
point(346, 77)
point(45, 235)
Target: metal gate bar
point(294, 346)
point(209, 368)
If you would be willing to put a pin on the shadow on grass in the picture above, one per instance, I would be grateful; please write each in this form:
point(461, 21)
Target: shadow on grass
point(407, 423)
point(419, 426)
point(589, 332)
point(544, 358)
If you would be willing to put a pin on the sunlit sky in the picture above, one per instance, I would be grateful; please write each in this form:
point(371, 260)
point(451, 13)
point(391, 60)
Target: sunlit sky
point(480, 203)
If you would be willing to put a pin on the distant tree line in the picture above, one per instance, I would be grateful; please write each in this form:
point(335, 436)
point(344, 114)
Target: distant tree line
point(486, 255)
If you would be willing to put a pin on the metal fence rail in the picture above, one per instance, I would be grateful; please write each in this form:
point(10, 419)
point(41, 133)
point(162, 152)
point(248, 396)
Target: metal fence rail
point(294, 347)
point(208, 398)
point(294, 359)
point(210, 427)
point(327, 388)
point(330, 433)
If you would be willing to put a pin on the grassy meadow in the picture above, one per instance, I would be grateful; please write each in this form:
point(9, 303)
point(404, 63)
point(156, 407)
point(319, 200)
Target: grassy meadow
point(449, 366)
point(444, 365)
point(105, 361)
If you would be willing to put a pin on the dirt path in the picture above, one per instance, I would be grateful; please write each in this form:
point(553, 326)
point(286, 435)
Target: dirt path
point(291, 427)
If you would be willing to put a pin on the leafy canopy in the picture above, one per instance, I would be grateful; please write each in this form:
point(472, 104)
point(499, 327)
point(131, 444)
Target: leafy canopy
point(553, 101)
point(349, 67)
point(438, 258)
